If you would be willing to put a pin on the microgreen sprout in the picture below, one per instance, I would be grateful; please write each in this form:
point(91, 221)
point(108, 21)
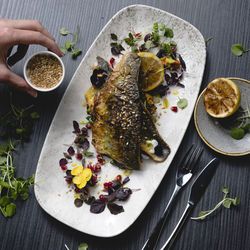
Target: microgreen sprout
point(238, 50)
point(207, 40)
point(226, 202)
point(70, 45)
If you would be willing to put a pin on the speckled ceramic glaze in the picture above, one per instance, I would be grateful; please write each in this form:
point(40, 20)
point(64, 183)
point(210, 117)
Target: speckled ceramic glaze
point(50, 188)
point(216, 136)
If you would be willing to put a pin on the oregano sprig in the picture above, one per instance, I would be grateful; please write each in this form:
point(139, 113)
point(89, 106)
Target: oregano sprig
point(225, 202)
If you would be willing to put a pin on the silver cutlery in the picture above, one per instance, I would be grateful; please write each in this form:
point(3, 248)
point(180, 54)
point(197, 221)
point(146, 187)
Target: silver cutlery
point(197, 191)
point(183, 175)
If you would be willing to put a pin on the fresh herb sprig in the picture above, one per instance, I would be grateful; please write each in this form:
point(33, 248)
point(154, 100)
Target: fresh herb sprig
point(225, 202)
point(11, 187)
point(18, 122)
point(244, 123)
point(238, 50)
point(70, 45)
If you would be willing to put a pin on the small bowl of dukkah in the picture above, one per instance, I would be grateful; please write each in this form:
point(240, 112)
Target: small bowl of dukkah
point(44, 71)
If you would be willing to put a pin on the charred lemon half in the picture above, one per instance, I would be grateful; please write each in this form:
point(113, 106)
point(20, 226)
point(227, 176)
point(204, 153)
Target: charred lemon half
point(221, 98)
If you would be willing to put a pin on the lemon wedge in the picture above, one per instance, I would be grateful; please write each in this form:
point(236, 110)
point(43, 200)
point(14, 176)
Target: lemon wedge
point(152, 71)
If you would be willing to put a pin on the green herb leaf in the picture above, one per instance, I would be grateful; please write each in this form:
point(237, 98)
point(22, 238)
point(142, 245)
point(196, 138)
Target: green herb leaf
point(134, 49)
point(63, 50)
point(113, 36)
point(162, 27)
point(237, 133)
point(148, 44)
point(173, 43)
point(10, 209)
point(68, 45)
point(227, 203)
point(236, 201)
point(34, 115)
point(210, 38)
point(64, 31)
point(88, 153)
point(129, 42)
point(225, 190)
point(83, 246)
point(169, 33)
point(4, 201)
point(167, 48)
point(155, 27)
point(237, 49)
point(76, 52)
point(202, 213)
point(182, 103)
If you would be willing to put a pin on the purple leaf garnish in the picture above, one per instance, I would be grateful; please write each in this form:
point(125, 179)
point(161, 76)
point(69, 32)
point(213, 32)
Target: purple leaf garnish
point(76, 127)
point(110, 197)
point(85, 144)
point(126, 180)
point(63, 162)
point(84, 131)
point(97, 206)
point(116, 184)
point(114, 208)
point(89, 200)
point(147, 37)
point(161, 53)
point(122, 194)
point(71, 150)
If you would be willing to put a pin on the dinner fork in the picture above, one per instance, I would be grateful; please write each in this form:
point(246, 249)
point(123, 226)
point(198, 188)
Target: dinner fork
point(183, 175)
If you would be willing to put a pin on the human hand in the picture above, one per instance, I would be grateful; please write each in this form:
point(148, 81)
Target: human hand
point(21, 33)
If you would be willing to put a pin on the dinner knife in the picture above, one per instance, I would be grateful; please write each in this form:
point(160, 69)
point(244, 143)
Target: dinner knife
point(197, 190)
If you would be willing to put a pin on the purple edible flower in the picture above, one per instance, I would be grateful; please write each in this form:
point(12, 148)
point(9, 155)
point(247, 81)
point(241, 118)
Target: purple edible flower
point(147, 37)
point(85, 144)
point(63, 162)
point(84, 131)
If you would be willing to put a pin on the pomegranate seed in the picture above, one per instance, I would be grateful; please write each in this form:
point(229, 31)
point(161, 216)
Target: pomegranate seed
point(101, 161)
point(88, 126)
point(112, 60)
point(101, 197)
point(77, 190)
point(174, 108)
point(97, 168)
point(76, 140)
point(94, 178)
point(68, 180)
point(107, 184)
point(138, 35)
point(90, 166)
point(118, 178)
point(64, 167)
point(79, 156)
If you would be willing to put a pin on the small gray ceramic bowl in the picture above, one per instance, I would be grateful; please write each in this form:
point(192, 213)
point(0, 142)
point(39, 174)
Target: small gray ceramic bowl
point(216, 136)
point(26, 71)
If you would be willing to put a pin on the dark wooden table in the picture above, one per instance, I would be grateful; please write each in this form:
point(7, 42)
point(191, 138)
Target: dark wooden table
point(228, 22)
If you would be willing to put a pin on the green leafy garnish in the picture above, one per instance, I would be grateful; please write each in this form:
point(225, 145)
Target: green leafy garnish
point(70, 45)
point(237, 133)
point(182, 103)
point(238, 50)
point(88, 153)
point(226, 202)
point(11, 187)
point(113, 36)
point(169, 33)
point(83, 246)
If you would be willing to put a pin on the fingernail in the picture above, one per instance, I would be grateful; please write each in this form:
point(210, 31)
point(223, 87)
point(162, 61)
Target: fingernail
point(33, 93)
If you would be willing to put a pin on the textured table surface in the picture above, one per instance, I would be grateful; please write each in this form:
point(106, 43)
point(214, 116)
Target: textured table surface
point(228, 22)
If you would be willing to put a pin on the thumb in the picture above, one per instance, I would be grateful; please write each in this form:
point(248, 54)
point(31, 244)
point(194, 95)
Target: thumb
point(18, 82)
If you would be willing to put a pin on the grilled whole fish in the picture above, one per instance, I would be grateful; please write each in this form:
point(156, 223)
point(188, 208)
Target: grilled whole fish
point(122, 126)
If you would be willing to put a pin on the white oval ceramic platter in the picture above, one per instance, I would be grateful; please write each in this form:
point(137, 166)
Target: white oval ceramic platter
point(51, 190)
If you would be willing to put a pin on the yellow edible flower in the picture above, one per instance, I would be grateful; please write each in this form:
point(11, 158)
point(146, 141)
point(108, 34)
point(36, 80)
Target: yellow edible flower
point(82, 176)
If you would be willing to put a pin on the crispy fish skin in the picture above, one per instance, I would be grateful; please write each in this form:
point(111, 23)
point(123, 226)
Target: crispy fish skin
point(117, 115)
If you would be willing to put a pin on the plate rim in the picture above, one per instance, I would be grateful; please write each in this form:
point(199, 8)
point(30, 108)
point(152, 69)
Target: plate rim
point(198, 128)
point(45, 208)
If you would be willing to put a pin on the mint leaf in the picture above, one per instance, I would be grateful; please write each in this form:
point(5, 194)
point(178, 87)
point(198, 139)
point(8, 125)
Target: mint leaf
point(68, 45)
point(235, 201)
point(162, 27)
point(83, 246)
point(4, 201)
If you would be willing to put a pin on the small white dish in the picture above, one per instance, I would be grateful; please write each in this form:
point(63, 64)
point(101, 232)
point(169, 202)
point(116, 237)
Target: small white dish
point(25, 71)
point(214, 134)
